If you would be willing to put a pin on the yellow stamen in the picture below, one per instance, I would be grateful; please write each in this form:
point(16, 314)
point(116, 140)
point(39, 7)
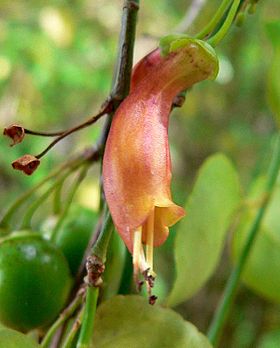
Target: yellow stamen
point(150, 241)
point(143, 265)
point(137, 248)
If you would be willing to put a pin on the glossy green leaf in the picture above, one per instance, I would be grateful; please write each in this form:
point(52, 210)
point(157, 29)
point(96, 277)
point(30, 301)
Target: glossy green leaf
point(200, 236)
point(261, 273)
point(14, 339)
point(129, 321)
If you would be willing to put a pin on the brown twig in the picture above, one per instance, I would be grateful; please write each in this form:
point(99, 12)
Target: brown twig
point(43, 134)
point(107, 107)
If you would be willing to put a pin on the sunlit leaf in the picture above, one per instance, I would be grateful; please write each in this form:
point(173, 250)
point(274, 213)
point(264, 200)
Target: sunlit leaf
point(129, 321)
point(14, 339)
point(200, 236)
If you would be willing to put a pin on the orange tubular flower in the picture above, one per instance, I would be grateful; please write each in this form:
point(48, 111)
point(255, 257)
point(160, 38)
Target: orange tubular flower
point(137, 168)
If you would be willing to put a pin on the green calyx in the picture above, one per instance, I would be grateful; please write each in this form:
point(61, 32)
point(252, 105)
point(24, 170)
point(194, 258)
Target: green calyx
point(175, 42)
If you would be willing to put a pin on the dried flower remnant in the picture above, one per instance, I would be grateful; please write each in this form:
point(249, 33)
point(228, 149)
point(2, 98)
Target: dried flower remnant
point(136, 167)
point(27, 164)
point(15, 132)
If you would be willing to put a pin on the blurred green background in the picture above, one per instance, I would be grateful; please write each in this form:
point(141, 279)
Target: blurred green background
point(56, 66)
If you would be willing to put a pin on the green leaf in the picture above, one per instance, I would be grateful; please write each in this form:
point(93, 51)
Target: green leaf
point(273, 32)
point(273, 85)
point(129, 321)
point(200, 236)
point(273, 80)
point(270, 340)
point(261, 273)
point(14, 339)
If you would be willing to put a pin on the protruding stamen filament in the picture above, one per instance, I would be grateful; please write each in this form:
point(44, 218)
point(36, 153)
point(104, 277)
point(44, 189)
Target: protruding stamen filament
point(150, 241)
point(137, 249)
point(142, 264)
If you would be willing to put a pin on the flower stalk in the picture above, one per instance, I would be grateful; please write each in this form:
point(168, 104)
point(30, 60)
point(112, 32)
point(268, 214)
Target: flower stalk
point(95, 268)
point(64, 316)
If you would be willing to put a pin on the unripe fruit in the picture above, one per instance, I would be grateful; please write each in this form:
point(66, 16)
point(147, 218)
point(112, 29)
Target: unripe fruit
point(75, 234)
point(34, 281)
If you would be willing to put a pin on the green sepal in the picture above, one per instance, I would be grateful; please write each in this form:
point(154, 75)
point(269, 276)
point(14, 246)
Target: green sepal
point(172, 43)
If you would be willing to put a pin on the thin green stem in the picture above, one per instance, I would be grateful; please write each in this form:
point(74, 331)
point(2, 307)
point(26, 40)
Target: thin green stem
point(100, 247)
point(214, 40)
point(26, 223)
point(68, 343)
point(57, 200)
point(99, 251)
point(222, 312)
point(68, 203)
point(211, 26)
point(22, 199)
point(65, 315)
point(84, 340)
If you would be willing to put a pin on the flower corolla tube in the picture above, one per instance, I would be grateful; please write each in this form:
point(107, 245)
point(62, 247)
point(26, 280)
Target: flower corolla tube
point(136, 166)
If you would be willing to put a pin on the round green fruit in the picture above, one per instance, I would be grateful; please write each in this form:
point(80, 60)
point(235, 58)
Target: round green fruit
point(75, 234)
point(35, 281)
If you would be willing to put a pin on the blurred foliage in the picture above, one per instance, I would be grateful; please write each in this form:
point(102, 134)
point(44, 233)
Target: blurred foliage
point(13, 339)
point(217, 180)
point(130, 321)
point(56, 65)
point(261, 273)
